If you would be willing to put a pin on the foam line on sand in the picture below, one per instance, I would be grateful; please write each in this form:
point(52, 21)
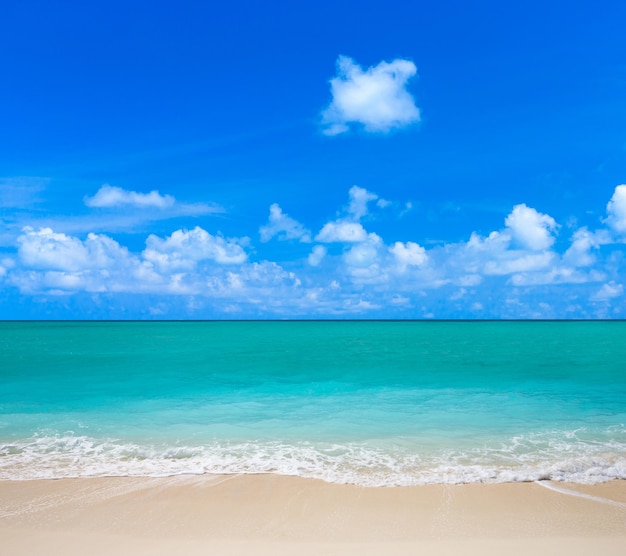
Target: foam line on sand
point(569, 492)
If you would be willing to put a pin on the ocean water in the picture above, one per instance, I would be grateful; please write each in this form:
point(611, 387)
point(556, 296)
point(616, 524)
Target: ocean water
point(370, 403)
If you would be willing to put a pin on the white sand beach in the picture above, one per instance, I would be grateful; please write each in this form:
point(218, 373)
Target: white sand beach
point(278, 515)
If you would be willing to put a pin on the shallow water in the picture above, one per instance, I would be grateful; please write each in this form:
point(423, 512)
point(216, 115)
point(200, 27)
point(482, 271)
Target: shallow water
point(377, 403)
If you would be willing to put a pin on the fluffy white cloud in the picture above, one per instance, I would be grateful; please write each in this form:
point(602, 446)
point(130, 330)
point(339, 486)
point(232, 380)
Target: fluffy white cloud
point(518, 262)
point(375, 98)
point(400, 266)
point(191, 263)
point(531, 229)
point(342, 232)
point(184, 249)
point(283, 227)
point(110, 196)
point(365, 253)
point(408, 254)
point(348, 229)
point(522, 246)
point(616, 210)
point(579, 252)
point(51, 261)
point(47, 249)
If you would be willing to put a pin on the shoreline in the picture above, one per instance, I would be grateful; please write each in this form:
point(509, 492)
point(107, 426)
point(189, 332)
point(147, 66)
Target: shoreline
point(272, 514)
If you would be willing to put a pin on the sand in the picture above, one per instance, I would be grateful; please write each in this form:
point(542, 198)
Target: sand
point(269, 514)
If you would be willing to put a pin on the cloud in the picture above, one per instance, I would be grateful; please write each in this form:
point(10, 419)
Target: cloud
point(579, 252)
point(401, 265)
point(346, 232)
point(616, 210)
point(317, 255)
point(109, 196)
point(520, 262)
point(608, 291)
point(59, 263)
point(348, 229)
point(531, 229)
point(365, 253)
point(523, 251)
point(408, 254)
point(5, 265)
point(46, 249)
point(184, 249)
point(189, 263)
point(283, 227)
point(522, 246)
point(375, 98)
point(359, 199)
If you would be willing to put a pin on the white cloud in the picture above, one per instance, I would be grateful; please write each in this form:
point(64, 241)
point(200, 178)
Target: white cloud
point(283, 227)
point(342, 232)
point(192, 263)
point(495, 241)
point(348, 229)
point(56, 251)
point(608, 292)
point(616, 209)
point(408, 254)
point(317, 255)
point(365, 253)
point(583, 242)
point(375, 98)
point(256, 282)
point(55, 261)
point(519, 261)
point(359, 198)
point(521, 247)
point(184, 249)
point(531, 229)
point(109, 196)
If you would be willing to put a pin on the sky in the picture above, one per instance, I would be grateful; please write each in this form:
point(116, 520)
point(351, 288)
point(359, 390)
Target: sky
point(348, 160)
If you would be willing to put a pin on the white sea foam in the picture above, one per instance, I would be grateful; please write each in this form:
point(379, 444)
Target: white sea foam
point(558, 456)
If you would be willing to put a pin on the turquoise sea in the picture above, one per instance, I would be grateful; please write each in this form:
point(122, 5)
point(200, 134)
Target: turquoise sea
point(371, 403)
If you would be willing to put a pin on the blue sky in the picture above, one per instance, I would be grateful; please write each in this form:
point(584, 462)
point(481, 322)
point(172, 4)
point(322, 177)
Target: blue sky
point(327, 160)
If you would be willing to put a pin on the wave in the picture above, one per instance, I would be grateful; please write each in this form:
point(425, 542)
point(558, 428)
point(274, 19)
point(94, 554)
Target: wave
point(559, 456)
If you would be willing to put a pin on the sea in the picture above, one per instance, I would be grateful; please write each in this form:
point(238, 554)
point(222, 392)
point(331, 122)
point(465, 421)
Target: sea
point(372, 403)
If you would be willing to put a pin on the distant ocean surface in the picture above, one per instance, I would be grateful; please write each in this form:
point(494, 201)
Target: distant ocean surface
point(370, 403)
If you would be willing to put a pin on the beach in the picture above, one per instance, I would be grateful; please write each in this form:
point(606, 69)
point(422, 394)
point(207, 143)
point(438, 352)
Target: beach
point(272, 514)
point(312, 438)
